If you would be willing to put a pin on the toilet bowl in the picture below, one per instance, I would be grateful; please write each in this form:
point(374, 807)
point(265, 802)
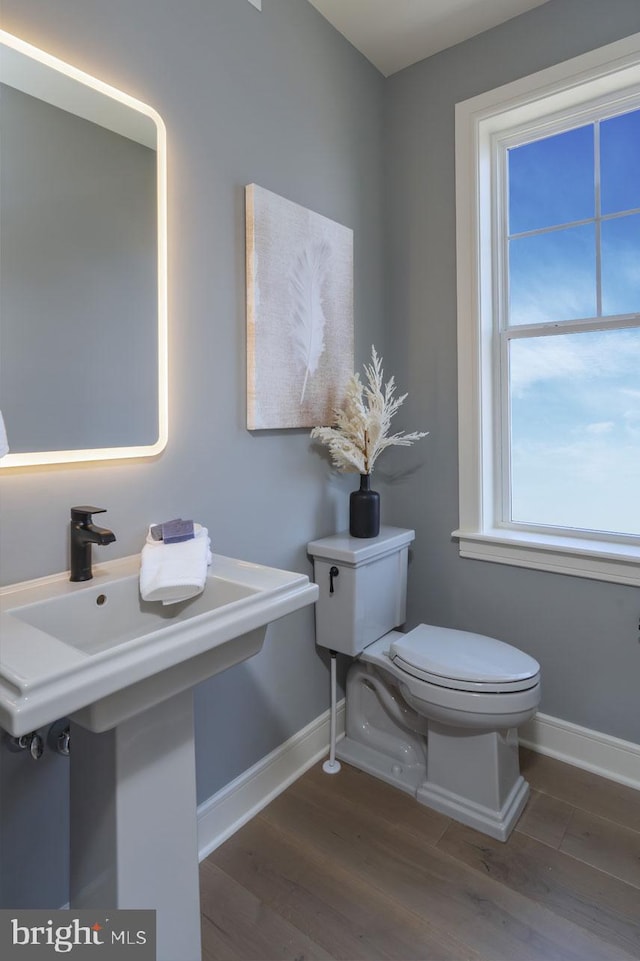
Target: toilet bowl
point(468, 680)
point(434, 711)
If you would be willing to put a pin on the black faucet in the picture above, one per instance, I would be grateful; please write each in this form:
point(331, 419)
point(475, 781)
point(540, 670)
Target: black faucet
point(83, 534)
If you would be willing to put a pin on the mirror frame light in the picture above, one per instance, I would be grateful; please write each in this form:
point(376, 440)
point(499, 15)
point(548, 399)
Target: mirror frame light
point(35, 458)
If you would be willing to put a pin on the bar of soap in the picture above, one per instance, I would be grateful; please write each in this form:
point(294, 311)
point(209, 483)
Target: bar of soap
point(173, 532)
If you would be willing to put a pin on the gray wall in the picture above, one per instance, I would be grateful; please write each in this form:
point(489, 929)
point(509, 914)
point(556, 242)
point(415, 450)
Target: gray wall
point(583, 632)
point(279, 99)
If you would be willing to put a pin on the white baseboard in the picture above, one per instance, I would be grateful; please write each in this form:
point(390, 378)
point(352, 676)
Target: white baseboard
point(225, 812)
point(593, 751)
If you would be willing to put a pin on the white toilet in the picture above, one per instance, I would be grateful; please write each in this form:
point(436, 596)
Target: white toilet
point(434, 711)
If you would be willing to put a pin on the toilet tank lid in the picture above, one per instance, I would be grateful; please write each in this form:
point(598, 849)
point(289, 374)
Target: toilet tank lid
point(463, 655)
point(359, 550)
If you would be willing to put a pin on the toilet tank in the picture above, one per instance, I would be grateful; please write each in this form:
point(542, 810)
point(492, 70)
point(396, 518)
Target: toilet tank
point(369, 590)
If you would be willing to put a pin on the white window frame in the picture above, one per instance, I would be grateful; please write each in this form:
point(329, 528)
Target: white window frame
point(610, 74)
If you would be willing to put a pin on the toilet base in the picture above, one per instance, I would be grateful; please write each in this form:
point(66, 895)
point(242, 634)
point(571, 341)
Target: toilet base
point(406, 777)
point(471, 775)
point(497, 824)
point(474, 777)
point(384, 736)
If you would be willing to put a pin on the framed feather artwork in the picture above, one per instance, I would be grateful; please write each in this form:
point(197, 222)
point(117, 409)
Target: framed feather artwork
point(299, 313)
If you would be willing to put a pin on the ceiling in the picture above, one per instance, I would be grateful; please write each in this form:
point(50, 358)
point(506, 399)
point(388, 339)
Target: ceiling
point(393, 34)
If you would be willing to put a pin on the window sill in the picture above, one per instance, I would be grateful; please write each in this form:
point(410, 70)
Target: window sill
point(617, 563)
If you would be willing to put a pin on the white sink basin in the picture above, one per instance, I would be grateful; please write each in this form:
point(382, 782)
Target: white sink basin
point(99, 653)
point(101, 617)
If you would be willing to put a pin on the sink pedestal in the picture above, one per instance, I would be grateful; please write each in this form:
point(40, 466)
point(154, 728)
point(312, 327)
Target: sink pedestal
point(133, 822)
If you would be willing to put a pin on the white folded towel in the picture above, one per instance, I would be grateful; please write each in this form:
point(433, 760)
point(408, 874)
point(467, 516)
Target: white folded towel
point(175, 572)
point(4, 444)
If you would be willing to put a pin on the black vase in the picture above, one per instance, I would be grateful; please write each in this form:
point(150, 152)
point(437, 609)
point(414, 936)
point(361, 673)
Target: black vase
point(364, 510)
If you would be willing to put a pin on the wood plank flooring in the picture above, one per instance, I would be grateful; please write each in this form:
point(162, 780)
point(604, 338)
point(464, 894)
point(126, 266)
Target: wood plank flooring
point(346, 867)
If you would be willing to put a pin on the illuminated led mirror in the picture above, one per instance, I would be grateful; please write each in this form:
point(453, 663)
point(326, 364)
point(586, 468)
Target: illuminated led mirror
point(83, 299)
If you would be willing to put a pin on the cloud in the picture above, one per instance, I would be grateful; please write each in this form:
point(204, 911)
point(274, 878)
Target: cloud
point(591, 483)
point(582, 357)
point(603, 427)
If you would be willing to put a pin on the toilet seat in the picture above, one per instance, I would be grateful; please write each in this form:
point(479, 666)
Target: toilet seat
point(463, 661)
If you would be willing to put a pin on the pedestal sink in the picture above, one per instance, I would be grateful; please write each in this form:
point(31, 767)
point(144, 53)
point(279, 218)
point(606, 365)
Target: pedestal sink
point(124, 671)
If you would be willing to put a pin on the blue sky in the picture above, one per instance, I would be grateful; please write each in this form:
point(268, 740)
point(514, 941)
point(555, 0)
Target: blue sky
point(576, 396)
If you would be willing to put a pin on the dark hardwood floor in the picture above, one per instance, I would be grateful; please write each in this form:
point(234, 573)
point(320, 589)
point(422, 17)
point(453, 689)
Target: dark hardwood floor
point(345, 867)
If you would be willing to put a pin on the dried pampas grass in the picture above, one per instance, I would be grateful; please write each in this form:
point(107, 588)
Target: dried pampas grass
point(361, 430)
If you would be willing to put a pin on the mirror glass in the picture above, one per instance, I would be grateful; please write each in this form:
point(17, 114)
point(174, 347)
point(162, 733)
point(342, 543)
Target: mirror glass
point(83, 325)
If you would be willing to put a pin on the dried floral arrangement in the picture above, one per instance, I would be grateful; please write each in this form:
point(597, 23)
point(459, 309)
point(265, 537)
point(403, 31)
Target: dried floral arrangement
point(361, 429)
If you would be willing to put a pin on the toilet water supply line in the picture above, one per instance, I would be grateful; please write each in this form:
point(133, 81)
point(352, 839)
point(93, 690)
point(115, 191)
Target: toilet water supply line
point(332, 766)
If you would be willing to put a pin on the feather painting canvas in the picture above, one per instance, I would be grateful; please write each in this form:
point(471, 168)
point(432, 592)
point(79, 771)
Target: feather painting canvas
point(299, 313)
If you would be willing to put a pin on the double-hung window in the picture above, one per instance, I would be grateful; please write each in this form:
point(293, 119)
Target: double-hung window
point(548, 221)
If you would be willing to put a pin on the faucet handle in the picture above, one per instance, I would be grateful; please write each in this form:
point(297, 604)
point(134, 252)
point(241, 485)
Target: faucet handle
point(82, 515)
